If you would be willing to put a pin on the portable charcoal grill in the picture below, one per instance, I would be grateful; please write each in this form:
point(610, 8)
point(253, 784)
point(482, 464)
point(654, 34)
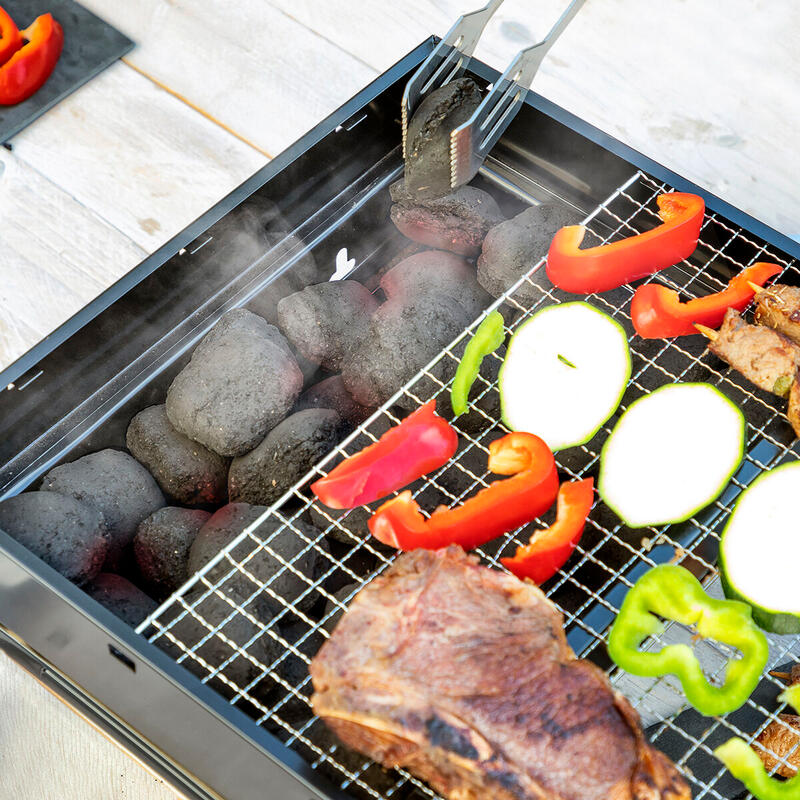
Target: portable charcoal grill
point(76, 391)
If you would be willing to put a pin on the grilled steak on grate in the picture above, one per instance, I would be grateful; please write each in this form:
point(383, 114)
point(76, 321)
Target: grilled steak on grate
point(463, 675)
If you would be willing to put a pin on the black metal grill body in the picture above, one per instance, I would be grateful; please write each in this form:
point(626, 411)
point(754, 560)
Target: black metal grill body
point(76, 392)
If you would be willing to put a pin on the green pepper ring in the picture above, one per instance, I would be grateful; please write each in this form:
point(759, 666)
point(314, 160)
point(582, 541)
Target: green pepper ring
point(674, 593)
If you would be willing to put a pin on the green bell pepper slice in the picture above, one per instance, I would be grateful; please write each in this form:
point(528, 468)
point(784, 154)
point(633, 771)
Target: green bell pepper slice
point(746, 766)
point(672, 592)
point(488, 336)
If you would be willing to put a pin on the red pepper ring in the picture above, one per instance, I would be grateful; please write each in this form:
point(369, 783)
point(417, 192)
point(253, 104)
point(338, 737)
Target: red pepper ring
point(549, 549)
point(10, 37)
point(496, 509)
point(598, 269)
point(658, 313)
point(421, 443)
point(27, 70)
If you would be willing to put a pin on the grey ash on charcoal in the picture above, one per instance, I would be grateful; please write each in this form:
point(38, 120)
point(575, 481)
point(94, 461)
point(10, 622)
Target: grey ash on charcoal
point(65, 533)
point(327, 320)
point(161, 547)
point(287, 453)
point(457, 221)
point(513, 247)
point(427, 171)
point(121, 598)
point(287, 546)
point(187, 472)
point(115, 484)
point(330, 393)
point(241, 381)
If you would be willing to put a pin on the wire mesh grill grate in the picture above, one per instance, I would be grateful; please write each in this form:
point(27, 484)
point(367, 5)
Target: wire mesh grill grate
point(249, 623)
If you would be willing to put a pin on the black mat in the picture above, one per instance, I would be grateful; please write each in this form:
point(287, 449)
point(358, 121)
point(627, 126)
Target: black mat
point(90, 45)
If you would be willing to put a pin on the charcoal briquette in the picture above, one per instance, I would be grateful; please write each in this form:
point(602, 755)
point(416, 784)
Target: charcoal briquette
point(440, 272)
point(187, 472)
point(331, 393)
point(266, 569)
point(405, 334)
point(117, 485)
point(65, 533)
point(240, 383)
point(287, 453)
point(327, 320)
point(457, 222)
point(161, 546)
point(513, 247)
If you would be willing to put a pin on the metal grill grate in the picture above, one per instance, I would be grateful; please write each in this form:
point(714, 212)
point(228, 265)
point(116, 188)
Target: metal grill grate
point(216, 625)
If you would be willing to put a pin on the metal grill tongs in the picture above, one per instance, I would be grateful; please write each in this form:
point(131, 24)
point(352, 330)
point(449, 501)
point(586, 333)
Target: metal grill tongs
point(471, 142)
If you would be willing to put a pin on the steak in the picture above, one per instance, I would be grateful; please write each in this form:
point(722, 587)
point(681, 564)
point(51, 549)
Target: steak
point(462, 674)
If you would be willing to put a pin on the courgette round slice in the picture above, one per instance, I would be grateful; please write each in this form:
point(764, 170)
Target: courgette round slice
point(564, 374)
point(760, 548)
point(671, 454)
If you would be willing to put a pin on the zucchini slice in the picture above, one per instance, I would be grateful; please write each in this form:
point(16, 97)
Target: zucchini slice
point(760, 548)
point(564, 374)
point(671, 454)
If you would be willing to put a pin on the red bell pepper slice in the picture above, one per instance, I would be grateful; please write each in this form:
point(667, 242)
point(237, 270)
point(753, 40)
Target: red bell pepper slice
point(500, 507)
point(549, 549)
point(598, 269)
point(27, 70)
point(658, 313)
point(422, 442)
point(10, 37)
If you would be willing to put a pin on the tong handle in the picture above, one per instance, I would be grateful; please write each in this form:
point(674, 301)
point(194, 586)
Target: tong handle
point(453, 52)
point(471, 142)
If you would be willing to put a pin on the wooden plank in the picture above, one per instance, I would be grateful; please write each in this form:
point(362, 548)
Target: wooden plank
point(248, 65)
point(56, 256)
point(682, 83)
point(63, 756)
point(136, 156)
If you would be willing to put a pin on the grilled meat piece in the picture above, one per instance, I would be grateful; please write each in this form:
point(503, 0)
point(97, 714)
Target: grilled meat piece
point(781, 741)
point(779, 308)
point(463, 675)
point(763, 356)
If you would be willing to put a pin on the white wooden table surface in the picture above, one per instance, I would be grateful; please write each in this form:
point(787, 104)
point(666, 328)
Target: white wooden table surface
point(215, 87)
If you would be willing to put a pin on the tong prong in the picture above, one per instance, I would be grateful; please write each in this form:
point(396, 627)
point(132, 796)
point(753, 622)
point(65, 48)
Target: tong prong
point(471, 142)
point(446, 61)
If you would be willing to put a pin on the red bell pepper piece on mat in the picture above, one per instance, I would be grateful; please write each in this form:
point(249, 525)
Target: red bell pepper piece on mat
point(658, 313)
point(421, 443)
point(500, 507)
point(30, 66)
point(549, 549)
point(10, 37)
point(598, 269)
